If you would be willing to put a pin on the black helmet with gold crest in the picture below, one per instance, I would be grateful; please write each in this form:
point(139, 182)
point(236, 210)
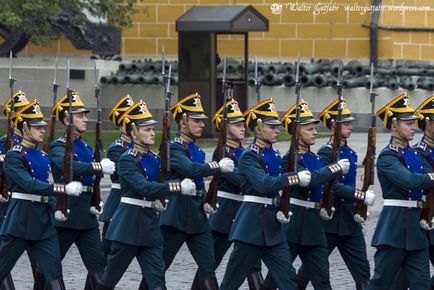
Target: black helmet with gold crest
point(20, 100)
point(330, 113)
point(191, 106)
point(120, 108)
point(264, 111)
point(425, 112)
point(306, 116)
point(234, 113)
point(30, 114)
point(398, 109)
point(138, 114)
point(62, 106)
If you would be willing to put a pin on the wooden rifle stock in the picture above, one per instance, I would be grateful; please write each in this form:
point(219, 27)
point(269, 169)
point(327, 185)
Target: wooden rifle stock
point(62, 201)
point(428, 211)
point(51, 130)
point(164, 151)
point(4, 182)
point(368, 173)
point(97, 156)
point(286, 192)
point(211, 197)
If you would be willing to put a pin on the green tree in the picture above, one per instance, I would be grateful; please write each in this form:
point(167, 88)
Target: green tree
point(33, 16)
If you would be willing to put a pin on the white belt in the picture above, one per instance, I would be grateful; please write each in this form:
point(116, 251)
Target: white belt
point(31, 197)
point(229, 195)
point(258, 199)
point(87, 188)
point(116, 186)
point(134, 201)
point(403, 203)
point(305, 203)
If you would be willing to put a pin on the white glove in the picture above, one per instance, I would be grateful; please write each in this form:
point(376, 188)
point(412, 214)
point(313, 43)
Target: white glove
point(424, 225)
point(158, 206)
point(358, 219)
point(94, 211)
point(188, 187)
point(304, 178)
point(324, 215)
point(2, 199)
point(345, 165)
point(281, 217)
point(226, 165)
point(369, 197)
point(207, 208)
point(108, 166)
point(73, 188)
point(59, 216)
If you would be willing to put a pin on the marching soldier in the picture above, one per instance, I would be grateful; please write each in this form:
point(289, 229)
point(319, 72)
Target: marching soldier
point(344, 231)
point(400, 241)
point(29, 221)
point(185, 218)
point(81, 225)
point(134, 230)
point(257, 230)
point(115, 150)
point(425, 148)
point(229, 191)
point(305, 233)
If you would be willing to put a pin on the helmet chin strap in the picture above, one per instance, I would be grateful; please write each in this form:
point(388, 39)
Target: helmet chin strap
point(397, 128)
point(26, 128)
point(185, 118)
point(261, 130)
point(428, 127)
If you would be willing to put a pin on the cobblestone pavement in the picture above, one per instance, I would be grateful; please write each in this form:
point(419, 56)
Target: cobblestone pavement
point(181, 272)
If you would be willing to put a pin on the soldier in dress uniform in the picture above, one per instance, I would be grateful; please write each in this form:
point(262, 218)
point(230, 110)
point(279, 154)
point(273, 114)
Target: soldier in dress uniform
point(257, 230)
point(344, 230)
point(115, 150)
point(134, 230)
point(185, 218)
point(305, 233)
point(29, 221)
point(229, 192)
point(81, 225)
point(399, 238)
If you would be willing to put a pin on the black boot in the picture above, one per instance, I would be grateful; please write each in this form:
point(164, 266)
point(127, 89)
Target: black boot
point(102, 287)
point(39, 280)
point(302, 284)
point(7, 283)
point(56, 285)
point(143, 285)
point(92, 281)
point(264, 287)
point(161, 288)
point(209, 284)
point(255, 280)
point(195, 285)
point(361, 285)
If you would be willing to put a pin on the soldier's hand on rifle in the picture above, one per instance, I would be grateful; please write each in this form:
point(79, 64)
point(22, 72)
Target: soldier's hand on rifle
point(59, 216)
point(358, 218)
point(188, 187)
point(73, 188)
point(281, 217)
point(95, 211)
point(324, 215)
point(345, 165)
point(226, 165)
point(369, 197)
point(158, 206)
point(208, 209)
point(424, 225)
point(304, 178)
point(2, 199)
point(108, 166)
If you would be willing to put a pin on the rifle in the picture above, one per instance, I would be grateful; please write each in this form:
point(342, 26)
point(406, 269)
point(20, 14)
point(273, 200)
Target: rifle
point(293, 149)
point(62, 201)
point(219, 153)
point(327, 200)
point(258, 84)
point(368, 162)
point(97, 155)
point(9, 143)
point(52, 122)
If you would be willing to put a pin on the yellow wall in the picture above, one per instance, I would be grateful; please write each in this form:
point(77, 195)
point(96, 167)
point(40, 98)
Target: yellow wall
point(332, 29)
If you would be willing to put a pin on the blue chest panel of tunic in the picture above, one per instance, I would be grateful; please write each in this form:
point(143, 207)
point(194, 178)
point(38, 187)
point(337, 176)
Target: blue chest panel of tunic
point(350, 177)
point(312, 162)
point(38, 162)
point(151, 165)
point(272, 161)
point(198, 156)
point(431, 155)
point(414, 163)
point(84, 153)
point(235, 153)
